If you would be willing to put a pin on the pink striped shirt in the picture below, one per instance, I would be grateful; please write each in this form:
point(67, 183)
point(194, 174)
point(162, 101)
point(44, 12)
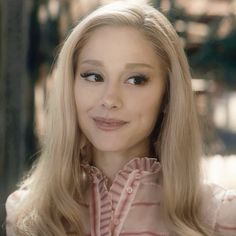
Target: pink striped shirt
point(132, 204)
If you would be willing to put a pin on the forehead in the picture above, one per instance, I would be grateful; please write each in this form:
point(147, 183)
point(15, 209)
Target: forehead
point(119, 43)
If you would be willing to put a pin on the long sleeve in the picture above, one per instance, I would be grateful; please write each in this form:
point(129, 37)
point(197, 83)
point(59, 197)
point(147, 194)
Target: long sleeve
point(226, 216)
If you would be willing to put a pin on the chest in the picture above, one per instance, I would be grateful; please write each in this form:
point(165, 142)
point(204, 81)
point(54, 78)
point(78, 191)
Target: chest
point(130, 208)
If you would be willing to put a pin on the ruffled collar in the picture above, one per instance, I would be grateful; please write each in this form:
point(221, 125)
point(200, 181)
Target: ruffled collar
point(142, 165)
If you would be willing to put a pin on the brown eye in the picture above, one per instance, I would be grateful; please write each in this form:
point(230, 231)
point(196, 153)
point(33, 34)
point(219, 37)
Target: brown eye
point(92, 77)
point(138, 80)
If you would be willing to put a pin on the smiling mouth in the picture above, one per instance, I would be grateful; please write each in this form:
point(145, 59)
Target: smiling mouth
point(109, 124)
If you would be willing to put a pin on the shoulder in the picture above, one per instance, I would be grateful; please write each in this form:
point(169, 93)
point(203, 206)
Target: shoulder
point(12, 203)
point(226, 215)
point(223, 203)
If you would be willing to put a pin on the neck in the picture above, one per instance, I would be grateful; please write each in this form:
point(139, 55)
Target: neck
point(111, 162)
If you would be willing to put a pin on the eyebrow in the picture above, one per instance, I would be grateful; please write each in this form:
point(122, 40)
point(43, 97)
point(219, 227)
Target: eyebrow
point(130, 65)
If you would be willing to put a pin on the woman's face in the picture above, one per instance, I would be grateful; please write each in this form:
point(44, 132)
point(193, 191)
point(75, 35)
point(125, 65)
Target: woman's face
point(118, 89)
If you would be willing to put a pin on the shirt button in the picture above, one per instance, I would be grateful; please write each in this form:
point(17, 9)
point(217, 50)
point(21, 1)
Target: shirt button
point(116, 221)
point(129, 190)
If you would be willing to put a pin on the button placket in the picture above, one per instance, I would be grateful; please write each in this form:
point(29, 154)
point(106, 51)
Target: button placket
point(128, 196)
point(129, 190)
point(116, 221)
point(138, 176)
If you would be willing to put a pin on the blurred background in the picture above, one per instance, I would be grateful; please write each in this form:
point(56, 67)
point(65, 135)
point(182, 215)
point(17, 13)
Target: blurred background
point(32, 33)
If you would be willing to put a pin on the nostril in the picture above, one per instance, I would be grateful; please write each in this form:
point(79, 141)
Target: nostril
point(109, 105)
point(111, 98)
point(111, 102)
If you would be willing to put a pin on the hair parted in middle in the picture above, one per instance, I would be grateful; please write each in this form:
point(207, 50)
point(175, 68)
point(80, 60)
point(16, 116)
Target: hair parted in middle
point(57, 176)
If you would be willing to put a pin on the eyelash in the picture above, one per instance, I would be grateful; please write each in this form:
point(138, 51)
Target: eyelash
point(86, 75)
point(142, 79)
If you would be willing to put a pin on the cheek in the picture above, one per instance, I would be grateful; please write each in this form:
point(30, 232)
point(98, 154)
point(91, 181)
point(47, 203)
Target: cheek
point(82, 105)
point(84, 98)
point(149, 110)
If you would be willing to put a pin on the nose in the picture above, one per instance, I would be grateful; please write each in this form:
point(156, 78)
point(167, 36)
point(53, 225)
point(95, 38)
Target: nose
point(112, 97)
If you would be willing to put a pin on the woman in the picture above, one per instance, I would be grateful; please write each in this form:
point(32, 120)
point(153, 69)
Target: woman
point(121, 152)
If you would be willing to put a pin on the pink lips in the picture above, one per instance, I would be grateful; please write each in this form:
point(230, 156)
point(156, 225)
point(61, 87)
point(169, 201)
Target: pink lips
point(108, 124)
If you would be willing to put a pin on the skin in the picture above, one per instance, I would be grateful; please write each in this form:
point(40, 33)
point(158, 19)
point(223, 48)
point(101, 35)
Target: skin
point(117, 54)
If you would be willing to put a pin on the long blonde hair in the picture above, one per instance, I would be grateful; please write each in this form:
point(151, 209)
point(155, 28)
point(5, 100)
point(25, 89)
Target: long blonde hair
point(56, 182)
